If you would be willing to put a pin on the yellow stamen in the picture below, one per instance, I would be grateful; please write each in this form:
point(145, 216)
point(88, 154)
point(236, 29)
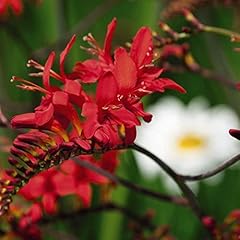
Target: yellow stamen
point(122, 131)
point(61, 132)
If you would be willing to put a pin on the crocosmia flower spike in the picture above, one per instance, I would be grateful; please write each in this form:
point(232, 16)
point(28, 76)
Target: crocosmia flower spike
point(70, 122)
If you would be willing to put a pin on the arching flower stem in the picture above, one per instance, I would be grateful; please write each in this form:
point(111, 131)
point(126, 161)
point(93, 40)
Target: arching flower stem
point(119, 180)
point(213, 172)
point(187, 192)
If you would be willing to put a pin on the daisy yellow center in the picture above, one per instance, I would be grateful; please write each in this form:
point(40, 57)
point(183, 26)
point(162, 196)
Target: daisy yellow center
point(191, 142)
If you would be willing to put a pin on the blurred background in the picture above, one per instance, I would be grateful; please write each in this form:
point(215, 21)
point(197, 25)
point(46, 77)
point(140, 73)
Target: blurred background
point(46, 25)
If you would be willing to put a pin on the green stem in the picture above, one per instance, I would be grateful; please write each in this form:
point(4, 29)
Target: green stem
point(220, 31)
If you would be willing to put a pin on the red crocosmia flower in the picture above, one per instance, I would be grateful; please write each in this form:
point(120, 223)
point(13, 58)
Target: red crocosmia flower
point(133, 83)
point(82, 178)
point(33, 215)
point(141, 75)
point(136, 76)
point(71, 179)
point(104, 117)
point(25, 227)
point(42, 186)
point(98, 125)
point(128, 77)
point(111, 117)
point(132, 77)
point(15, 5)
point(56, 110)
point(91, 70)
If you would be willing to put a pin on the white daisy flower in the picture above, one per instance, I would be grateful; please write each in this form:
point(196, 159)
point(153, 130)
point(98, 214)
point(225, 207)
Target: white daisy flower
point(190, 139)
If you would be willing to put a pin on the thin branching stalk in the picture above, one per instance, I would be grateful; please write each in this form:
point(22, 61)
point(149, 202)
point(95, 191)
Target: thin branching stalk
point(204, 72)
point(121, 181)
point(105, 207)
point(213, 172)
point(187, 192)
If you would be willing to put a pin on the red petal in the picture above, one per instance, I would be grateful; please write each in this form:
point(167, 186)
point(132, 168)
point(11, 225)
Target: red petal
point(33, 215)
point(46, 72)
point(90, 111)
point(142, 47)
point(125, 70)
point(164, 83)
point(64, 184)
point(84, 144)
point(88, 71)
point(113, 135)
point(97, 178)
point(84, 191)
point(44, 117)
point(130, 135)
point(149, 73)
point(108, 39)
point(76, 94)
point(90, 128)
point(106, 90)
point(60, 98)
point(125, 117)
point(93, 177)
point(49, 203)
point(109, 161)
point(73, 87)
point(3, 6)
point(17, 6)
point(69, 167)
point(138, 110)
point(101, 136)
point(34, 188)
point(64, 54)
point(26, 120)
point(35, 212)
point(59, 125)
